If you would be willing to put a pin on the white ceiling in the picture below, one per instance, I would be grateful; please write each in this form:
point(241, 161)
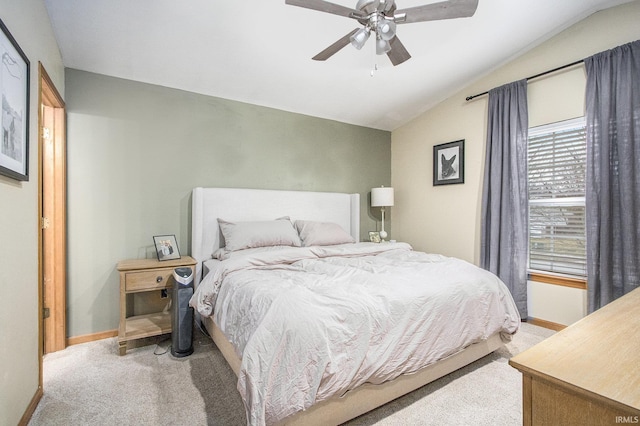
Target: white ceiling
point(259, 51)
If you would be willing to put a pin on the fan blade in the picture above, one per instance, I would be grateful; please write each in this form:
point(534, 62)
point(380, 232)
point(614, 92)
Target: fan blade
point(333, 49)
point(398, 53)
point(443, 10)
point(324, 6)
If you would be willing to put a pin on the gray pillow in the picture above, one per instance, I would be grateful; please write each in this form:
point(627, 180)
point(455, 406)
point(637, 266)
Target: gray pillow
point(321, 233)
point(244, 235)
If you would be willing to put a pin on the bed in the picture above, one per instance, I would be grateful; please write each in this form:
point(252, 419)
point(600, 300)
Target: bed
point(320, 333)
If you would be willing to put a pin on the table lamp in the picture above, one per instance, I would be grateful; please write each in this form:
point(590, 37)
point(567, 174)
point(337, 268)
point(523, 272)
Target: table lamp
point(382, 197)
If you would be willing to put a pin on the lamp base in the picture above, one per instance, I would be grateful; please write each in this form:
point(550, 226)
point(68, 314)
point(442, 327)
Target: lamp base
point(383, 235)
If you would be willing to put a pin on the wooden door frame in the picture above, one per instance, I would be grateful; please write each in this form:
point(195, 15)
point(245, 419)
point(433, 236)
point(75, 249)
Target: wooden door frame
point(52, 335)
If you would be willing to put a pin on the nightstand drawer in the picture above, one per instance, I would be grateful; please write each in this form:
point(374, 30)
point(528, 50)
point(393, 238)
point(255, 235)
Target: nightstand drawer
point(148, 280)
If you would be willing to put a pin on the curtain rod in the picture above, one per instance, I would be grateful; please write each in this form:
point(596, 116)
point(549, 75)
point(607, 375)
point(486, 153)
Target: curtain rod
point(468, 98)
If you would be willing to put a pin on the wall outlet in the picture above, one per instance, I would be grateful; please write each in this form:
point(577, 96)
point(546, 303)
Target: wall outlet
point(163, 293)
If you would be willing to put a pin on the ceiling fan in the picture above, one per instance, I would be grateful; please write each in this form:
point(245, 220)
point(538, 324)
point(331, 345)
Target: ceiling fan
point(380, 18)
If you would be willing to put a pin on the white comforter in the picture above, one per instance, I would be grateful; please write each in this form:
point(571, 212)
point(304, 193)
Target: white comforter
point(314, 322)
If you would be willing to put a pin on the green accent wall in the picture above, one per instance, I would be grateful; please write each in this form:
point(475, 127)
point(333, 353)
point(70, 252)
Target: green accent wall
point(136, 150)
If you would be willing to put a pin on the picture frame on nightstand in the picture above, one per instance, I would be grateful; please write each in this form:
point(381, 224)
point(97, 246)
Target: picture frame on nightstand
point(166, 247)
point(374, 236)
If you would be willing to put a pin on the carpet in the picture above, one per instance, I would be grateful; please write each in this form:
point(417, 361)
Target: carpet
point(91, 384)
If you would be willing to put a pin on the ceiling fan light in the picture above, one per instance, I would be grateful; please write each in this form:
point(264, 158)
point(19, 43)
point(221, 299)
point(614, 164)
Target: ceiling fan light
point(382, 46)
point(360, 38)
point(386, 29)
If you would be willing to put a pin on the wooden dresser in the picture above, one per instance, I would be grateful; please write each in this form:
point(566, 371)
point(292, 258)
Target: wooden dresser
point(588, 373)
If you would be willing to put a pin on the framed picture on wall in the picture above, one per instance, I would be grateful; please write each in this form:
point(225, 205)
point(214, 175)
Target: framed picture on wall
point(14, 88)
point(166, 247)
point(448, 163)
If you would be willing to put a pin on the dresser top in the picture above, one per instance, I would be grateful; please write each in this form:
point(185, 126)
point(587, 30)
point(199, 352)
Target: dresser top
point(598, 355)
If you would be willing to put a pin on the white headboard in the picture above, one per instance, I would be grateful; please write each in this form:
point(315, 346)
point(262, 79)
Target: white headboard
point(209, 204)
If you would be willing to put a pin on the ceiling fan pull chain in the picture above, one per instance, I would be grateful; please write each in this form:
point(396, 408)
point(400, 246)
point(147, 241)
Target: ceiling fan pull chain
point(374, 58)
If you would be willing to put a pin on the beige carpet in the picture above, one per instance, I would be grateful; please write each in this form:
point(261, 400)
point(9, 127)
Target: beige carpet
point(89, 384)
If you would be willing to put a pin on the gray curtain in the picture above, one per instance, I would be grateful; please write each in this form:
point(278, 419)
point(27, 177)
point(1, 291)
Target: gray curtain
point(613, 174)
point(505, 216)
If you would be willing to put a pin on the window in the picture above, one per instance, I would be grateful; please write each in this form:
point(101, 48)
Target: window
point(557, 171)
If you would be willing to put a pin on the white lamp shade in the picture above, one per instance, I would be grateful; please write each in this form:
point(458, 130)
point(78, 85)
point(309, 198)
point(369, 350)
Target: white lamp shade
point(382, 46)
point(360, 38)
point(381, 197)
point(386, 29)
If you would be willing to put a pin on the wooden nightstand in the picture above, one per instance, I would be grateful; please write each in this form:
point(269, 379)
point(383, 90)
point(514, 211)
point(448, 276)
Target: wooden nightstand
point(145, 286)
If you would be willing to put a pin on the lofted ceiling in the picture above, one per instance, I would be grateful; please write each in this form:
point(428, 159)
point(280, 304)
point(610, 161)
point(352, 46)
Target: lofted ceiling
point(259, 51)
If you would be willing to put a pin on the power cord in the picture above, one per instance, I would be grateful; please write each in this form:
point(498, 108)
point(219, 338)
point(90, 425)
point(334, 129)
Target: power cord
point(158, 346)
point(205, 333)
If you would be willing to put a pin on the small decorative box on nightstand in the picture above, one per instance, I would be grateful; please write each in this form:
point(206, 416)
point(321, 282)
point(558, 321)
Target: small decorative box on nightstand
point(145, 286)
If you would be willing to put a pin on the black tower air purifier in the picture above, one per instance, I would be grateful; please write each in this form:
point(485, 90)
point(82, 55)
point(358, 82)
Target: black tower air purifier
point(182, 313)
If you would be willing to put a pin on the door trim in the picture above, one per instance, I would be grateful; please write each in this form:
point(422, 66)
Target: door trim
point(52, 335)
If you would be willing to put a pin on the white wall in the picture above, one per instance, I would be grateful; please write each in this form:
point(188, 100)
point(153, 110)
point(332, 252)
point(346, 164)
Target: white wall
point(554, 303)
point(29, 24)
point(446, 219)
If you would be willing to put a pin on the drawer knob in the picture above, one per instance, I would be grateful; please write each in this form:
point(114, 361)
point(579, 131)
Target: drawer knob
point(159, 279)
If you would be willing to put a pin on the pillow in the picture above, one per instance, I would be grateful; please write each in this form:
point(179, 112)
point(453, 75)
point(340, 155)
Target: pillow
point(244, 235)
point(321, 233)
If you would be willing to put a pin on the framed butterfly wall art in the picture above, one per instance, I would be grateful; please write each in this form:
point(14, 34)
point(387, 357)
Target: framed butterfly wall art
point(448, 163)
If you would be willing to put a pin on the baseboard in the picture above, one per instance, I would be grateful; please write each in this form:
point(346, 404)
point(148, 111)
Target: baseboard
point(31, 408)
point(91, 337)
point(546, 324)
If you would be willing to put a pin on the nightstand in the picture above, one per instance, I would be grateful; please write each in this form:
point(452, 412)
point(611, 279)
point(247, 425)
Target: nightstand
point(145, 290)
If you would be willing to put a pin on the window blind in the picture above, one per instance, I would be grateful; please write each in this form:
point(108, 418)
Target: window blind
point(557, 173)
